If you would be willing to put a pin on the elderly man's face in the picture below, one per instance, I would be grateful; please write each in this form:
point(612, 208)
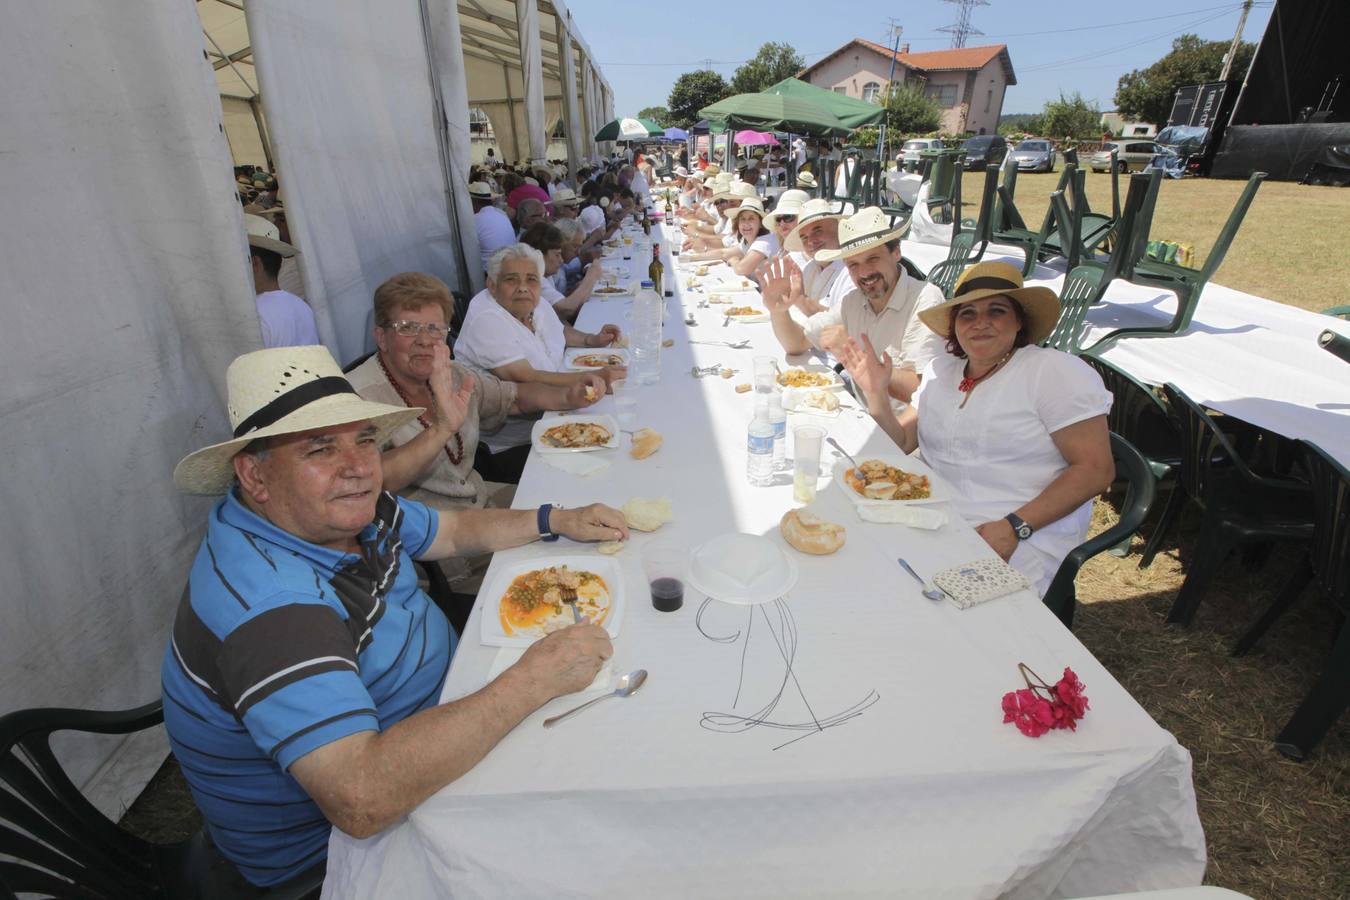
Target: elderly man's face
point(319, 485)
point(516, 287)
point(820, 235)
point(565, 211)
point(570, 249)
point(530, 212)
point(875, 272)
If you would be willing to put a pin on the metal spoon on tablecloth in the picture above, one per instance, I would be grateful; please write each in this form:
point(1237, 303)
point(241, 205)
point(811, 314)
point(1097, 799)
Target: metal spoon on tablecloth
point(628, 685)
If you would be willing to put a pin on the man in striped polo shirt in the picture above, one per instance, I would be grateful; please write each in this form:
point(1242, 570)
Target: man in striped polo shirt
point(302, 679)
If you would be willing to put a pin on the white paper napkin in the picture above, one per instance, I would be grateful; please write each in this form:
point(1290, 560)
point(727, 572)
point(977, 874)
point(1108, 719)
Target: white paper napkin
point(583, 465)
point(507, 656)
point(902, 514)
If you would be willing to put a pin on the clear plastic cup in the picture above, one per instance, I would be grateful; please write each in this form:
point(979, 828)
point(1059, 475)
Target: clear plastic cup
point(666, 564)
point(806, 445)
point(766, 370)
point(625, 403)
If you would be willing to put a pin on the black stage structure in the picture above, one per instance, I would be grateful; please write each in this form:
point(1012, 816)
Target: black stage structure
point(1295, 101)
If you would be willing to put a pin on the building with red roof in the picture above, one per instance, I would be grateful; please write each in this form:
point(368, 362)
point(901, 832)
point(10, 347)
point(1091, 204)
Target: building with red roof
point(968, 82)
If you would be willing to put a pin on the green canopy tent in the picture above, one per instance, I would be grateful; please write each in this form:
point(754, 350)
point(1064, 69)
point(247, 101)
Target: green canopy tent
point(852, 113)
point(775, 112)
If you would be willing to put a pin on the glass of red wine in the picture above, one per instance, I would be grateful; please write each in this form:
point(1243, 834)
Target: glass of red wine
point(666, 563)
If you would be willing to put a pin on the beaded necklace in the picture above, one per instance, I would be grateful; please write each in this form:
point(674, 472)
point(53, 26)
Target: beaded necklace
point(967, 385)
point(456, 456)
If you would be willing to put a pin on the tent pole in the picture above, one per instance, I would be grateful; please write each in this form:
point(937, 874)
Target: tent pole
point(263, 136)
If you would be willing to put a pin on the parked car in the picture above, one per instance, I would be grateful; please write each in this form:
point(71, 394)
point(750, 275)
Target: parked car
point(909, 153)
point(1034, 155)
point(1130, 156)
point(985, 150)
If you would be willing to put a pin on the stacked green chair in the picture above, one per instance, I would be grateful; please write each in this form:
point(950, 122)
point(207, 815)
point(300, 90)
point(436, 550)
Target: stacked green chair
point(968, 246)
point(1327, 566)
point(1088, 280)
point(1187, 283)
point(1061, 596)
point(1240, 507)
point(1340, 312)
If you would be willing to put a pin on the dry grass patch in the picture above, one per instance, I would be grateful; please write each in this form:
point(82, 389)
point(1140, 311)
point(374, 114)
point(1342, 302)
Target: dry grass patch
point(1290, 248)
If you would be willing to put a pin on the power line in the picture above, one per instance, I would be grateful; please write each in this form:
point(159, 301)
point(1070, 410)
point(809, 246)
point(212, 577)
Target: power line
point(1132, 44)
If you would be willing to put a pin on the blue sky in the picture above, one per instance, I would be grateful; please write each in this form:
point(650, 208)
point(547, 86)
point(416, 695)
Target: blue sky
point(642, 50)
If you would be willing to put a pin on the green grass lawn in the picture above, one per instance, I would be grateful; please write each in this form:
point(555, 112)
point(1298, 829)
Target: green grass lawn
point(1291, 247)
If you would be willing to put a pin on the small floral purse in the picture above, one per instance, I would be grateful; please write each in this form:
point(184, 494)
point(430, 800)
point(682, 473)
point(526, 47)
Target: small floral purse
point(977, 582)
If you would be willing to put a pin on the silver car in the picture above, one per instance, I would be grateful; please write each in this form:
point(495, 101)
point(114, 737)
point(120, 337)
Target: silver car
point(1131, 156)
point(1034, 156)
point(910, 152)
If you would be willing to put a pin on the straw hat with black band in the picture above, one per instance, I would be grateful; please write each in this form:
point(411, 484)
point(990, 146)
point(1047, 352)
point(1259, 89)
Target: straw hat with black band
point(266, 236)
point(280, 391)
point(860, 232)
point(806, 180)
point(997, 279)
point(565, 197)
point(811, 211)
point(481, 190)
point(789, 203)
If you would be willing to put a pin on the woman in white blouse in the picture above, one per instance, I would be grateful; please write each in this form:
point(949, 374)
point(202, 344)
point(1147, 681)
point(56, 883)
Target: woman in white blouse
point(1016, 430)
point(749, 242)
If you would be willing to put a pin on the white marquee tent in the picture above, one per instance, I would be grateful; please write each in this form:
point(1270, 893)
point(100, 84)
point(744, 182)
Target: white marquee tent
point(123, 267)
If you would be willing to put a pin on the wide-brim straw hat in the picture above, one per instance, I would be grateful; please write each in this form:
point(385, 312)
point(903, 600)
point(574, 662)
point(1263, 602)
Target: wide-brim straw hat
point(811, 211)
point(789, 207)
point(806, 179)
point(752, 204)
point(283, 390)
point(481, 190)
point(862, 231)
point(712, 169)
point(565, 197)
point(997, 279)
point(735, 190)
point(266, 236)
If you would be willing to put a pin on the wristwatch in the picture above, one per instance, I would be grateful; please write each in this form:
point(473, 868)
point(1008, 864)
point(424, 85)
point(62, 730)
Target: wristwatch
point(545, 534)
point(1020, 528)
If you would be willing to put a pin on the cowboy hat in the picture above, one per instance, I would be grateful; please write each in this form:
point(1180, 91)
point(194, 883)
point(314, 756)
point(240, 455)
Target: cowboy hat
point(284, 390)
point(867, 228)
point(811, 211)
point(789, 204)
point(265, 236)
point(997, 279)
point(565, 197)
point(735, 190)
point(712, 169)
point(806, 179)
point(481, 190)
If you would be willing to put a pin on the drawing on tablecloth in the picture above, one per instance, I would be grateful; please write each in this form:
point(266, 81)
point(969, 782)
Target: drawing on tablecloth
point(785, 639)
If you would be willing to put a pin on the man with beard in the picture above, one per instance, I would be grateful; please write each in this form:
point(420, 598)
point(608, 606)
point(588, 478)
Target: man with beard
point(883, 304)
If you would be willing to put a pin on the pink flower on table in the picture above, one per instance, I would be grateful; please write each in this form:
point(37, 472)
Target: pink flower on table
point(1038, 707)
point(1032, 714)
point(1069, 692)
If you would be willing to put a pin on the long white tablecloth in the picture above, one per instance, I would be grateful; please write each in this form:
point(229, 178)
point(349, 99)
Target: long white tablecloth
point(1242, 355)
point(871, 759)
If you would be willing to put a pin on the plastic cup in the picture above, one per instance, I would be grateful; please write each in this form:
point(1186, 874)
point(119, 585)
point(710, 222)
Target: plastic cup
point(666, 565)
point(766, 370)
point(806, 445)
point(625, 403)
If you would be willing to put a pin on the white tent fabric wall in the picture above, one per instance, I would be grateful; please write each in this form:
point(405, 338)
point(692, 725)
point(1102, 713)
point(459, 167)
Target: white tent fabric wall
point(532, 66)
point(123, 268)
point(351, 118)
point(241, 130)
point(447, 55)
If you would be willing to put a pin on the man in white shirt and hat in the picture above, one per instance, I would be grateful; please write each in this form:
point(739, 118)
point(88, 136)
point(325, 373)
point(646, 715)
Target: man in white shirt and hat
point(810, 286)
point(883, 304)
point(285, 319)
point(493, 226)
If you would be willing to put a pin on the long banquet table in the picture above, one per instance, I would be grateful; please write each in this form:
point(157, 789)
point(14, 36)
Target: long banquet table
point(846, 740)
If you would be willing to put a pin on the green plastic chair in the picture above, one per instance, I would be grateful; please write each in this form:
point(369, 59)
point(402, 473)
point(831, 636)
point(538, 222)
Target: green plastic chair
point(1061, 596)
point(1240, 507)
point(1010, 228)
point(1090, 229)
point(1341, 312)
point(967, 247)
point(1187, 283)
point(1327, 566)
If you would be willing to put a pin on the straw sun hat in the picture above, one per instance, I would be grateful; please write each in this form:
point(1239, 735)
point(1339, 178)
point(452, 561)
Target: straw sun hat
point(789, 203)
point(284, 390)
point(266, 236)
point(565, 197)
point(997, 279)
point(481, 190)
point(806, 179)
point(860, 232)
point(811, 211)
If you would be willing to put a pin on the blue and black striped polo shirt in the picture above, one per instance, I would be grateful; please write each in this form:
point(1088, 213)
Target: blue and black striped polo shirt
point(281, 646)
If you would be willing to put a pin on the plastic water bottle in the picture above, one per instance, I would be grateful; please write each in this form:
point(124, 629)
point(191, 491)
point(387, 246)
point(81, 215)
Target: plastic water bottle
point(648, 310)
point(759, 449)
point(778, 419)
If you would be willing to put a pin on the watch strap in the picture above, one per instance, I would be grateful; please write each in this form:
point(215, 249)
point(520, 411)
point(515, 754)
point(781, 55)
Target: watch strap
point(1019, 526)
point(542, 522)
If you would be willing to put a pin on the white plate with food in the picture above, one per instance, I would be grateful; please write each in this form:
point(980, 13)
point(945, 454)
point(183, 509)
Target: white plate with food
point(610, 290)
point(522, 601)
point(887, 479)
point(809, 378)
point(587, 359)
point(575, 434)
point(745, 315)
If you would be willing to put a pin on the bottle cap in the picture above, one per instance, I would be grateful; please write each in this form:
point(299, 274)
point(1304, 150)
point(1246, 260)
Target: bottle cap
point(648, 283)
